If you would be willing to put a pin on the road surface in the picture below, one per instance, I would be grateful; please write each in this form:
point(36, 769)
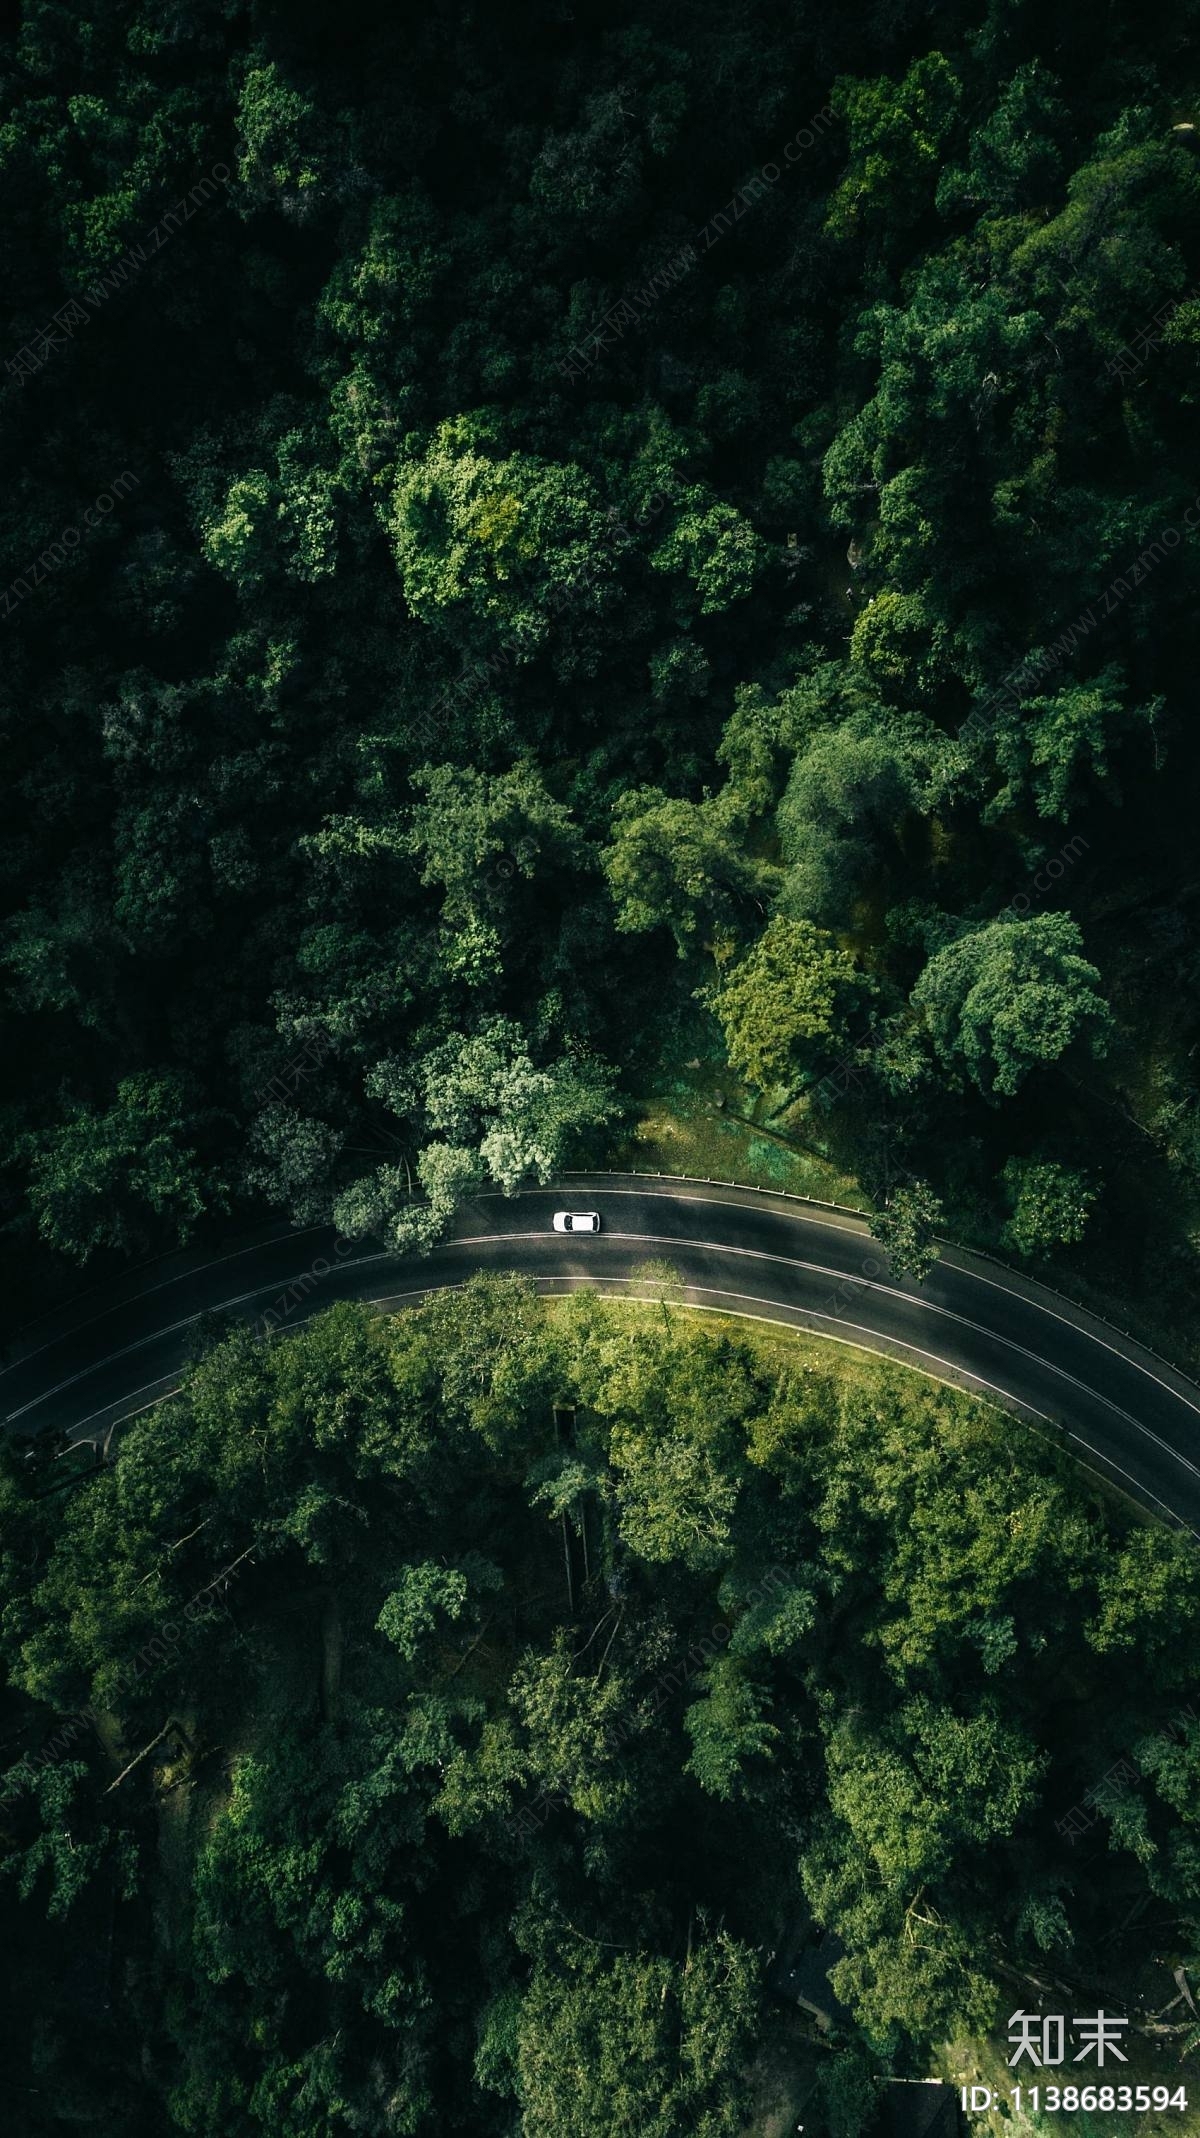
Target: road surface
point(772, 1258)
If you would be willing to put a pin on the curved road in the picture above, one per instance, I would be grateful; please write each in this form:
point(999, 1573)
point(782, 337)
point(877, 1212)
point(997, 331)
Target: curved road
point(737, 1250)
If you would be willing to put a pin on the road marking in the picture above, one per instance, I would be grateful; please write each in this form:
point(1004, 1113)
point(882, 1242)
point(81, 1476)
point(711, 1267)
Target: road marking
point(172, 1328)
point(1087, 1334)
point(773, 1321)
point(678, 1242)
point(78, 1427)
point(856, 1225)
point(718, 1248)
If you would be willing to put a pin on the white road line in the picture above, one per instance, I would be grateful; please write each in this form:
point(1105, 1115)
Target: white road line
point(90, 1420)
point(801, 1217)
point(1007, 1395)
point(798, 1217)
point(1088, 1335)
point(172, 1327)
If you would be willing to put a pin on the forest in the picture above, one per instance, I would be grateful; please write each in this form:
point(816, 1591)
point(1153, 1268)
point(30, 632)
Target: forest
point(540, 547)
point(435, 1843)
point(551, 550)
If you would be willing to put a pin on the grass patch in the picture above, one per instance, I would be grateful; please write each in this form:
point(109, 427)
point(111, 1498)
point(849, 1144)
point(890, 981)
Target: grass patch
point(868, 1375)
point(704, 1123)
point(985, 2064)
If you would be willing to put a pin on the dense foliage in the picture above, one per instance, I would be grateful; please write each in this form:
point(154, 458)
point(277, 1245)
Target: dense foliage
point(417, 1842)
point(410, 678)
point(429, 714)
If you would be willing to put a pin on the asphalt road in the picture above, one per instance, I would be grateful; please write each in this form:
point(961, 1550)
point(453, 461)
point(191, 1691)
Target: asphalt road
point(1126, 1413)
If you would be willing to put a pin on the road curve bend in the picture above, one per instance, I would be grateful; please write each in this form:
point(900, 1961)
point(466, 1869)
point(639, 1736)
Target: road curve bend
point(741, 1251)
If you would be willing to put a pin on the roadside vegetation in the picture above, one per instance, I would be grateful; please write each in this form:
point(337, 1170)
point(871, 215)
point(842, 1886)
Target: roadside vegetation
point(380, 1819)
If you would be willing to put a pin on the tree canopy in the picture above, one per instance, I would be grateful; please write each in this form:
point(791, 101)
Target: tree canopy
point(429, 1836)
point(566, 565)
point(537, 553)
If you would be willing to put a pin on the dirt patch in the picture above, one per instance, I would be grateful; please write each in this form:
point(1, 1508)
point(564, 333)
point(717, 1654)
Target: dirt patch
point(783, 2077)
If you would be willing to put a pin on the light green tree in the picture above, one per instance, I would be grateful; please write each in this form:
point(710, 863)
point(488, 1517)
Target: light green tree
point(480, 1110)
point(786, 1004)
point(714, 549)
point(506, 542)
point(638, 2042)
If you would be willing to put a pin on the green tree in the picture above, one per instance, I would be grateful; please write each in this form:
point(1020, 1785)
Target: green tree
point(70, 1842)
point(1049, 1205)
point(291, 1161)
point(1060, 742)
point(714, 550)
point(639, 2042)
point(503, 544)
point(898, 135)
point(681, 865)
point(277, 521)
point(490, 1114)
point(570, 1719)
point(121, 1179)
point(1148, 1601)
point(908, 1227)
point(479, 837)
point(897, 640)
point(849, 2093)
point(728, 1728)
point(1007, 997)
point(284, 146)
point(787, 1004)
point(848, 797)
point(1014, 159)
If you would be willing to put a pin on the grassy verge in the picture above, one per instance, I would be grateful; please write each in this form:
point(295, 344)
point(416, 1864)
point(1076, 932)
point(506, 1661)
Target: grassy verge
point(683, 1129)
point(869, 1376)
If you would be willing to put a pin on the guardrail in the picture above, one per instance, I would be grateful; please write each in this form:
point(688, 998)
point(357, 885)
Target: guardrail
point(697, 1180)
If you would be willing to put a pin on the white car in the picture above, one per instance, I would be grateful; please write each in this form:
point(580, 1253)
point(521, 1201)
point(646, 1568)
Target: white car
point(577, 1221)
